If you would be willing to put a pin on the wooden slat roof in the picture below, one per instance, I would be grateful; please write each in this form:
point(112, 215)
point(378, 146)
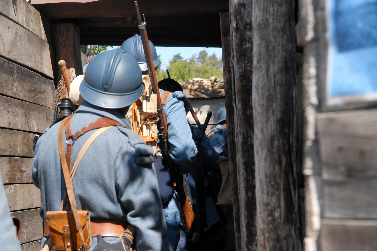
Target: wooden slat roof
point(169, 23)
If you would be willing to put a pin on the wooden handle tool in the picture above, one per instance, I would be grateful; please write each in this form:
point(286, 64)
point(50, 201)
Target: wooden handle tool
point(66, 77)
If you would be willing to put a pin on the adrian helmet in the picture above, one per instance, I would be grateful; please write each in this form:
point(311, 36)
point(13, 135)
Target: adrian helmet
point(134, 47)
point(221, 115)
point(113, 80)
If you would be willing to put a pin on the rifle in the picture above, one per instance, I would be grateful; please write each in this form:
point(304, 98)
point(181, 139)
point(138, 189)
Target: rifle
point(154, 83)
point(180, 183)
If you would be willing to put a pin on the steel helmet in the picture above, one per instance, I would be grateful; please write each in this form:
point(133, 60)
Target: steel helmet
point(221, 114)
point(134, 47)
point(113, 80)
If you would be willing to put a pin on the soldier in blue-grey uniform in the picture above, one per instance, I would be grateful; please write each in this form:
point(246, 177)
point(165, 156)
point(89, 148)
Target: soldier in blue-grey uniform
point(182, 149)
point(116, 180)
point(217, 232)
point(218, 135)
point(8, 237)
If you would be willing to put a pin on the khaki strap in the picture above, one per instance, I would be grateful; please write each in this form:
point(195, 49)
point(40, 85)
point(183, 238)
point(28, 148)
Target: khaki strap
point(81, 154)
point(67, 178)
point(165, 96)
point(210, 134)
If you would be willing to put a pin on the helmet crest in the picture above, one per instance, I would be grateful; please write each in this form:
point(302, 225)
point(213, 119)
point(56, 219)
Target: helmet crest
point(112, 62)
point(138, 47)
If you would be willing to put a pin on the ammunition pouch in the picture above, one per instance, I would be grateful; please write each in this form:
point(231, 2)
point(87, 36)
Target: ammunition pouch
point(63, 232)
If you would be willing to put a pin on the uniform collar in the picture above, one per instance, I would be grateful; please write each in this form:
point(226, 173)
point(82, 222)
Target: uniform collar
point(220, 127)
point(113, 114)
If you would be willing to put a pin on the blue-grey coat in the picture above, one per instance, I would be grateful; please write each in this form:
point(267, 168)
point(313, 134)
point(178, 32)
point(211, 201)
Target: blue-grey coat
point(219, 141)
point(8, 237)
point(182, 149)
point(115, 179)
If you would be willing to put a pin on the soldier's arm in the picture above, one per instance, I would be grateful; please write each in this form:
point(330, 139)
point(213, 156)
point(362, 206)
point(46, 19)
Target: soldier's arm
point(208, 154)
point(182, 148)
point(218, 141)
point(137, 188)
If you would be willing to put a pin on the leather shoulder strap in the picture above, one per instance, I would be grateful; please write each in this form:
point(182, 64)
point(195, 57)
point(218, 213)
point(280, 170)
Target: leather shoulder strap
point(81, 154)
point(98, 123)
point(67, 178)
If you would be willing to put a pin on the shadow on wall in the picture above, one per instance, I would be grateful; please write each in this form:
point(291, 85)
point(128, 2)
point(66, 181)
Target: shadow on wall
point(202, 83)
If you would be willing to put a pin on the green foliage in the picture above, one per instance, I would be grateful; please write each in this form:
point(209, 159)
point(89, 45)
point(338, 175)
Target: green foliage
point(200, 65)
point(97, 49)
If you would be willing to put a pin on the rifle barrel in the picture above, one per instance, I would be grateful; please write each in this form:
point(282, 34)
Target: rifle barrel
point(194, 115)
point(202, 132)
point(150, 66)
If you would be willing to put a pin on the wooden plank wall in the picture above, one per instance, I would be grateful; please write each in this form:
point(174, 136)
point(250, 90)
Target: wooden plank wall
point(340, 154)
point(348, 148)
point(26, 108)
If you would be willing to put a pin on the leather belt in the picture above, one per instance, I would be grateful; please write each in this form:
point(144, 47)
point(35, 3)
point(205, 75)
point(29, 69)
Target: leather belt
point(103, 228)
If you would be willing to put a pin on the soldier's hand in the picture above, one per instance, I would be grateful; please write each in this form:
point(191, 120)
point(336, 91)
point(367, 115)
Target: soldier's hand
point(195, 237)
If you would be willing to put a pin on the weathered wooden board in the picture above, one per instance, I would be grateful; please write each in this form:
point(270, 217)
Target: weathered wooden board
point(202, 106)
point(352, 199)
point(21, 83)
point(24, 47)
point(23, 13)
point(348, 144)
point(31, 225)
point(23, 196)
point(16, 143)
point(276, 145)
point(348, 235)
point(31, 246)
point(16, 170)
point(67, 47)
point(21, 115)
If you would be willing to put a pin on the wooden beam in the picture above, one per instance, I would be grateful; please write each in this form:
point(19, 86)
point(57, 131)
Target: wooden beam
point(22, 196)
point(16, 169)
point(152, 21)
point(31, 225)
point(275, 125)
point(16, 143)
point(67, 47)
point(230, 116)
point(22, 46)
point(21, 83)
point(21, 115)
point(241, 61)
point(120, 8)
point(23, 13)
point(348, 235)
point(183, 30)
point(159, 40)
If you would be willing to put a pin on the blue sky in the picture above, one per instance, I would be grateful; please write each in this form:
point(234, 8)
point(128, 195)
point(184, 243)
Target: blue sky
point(167, 53)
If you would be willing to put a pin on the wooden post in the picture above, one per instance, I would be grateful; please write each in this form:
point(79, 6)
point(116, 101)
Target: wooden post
point(225, 40)
point(275, 125)
point(241, 136)
point(67, 47)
